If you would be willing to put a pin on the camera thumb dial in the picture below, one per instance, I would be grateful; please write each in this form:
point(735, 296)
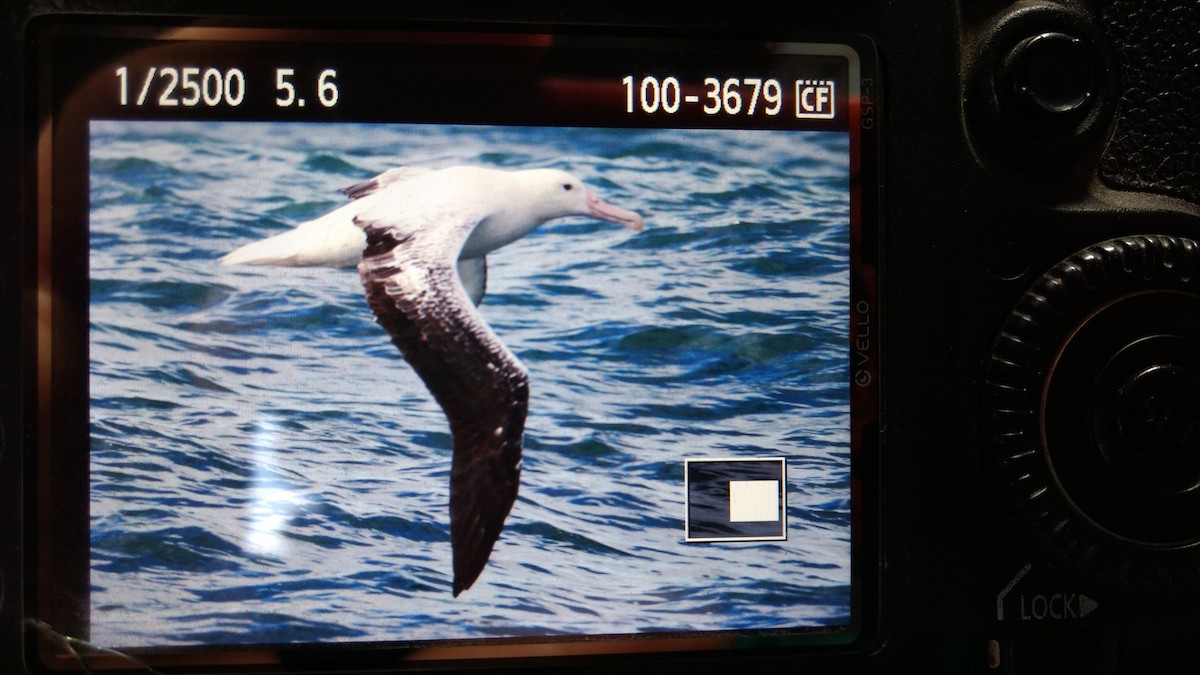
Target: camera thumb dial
point(1091, 415)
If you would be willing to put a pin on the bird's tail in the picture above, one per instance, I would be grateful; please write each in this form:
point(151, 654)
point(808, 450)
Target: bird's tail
point(324, 242)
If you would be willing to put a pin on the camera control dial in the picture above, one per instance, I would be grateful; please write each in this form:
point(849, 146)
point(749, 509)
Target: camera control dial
point(1091, 407)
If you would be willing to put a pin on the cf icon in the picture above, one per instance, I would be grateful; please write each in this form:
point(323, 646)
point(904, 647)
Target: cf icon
point(815, 99)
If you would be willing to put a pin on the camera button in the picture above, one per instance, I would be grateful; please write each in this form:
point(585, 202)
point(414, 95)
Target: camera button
point(1053, 73)
point(1145, 407)
point(1050, 80)
point(1157, 419)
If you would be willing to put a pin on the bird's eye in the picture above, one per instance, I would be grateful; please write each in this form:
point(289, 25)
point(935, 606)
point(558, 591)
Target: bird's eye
point(567, 186)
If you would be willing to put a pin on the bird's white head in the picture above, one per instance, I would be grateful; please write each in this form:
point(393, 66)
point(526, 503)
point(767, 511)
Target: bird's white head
point(558, 194)
point(523, 200)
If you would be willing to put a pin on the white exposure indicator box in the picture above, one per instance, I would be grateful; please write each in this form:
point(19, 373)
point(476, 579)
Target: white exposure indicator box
point(753, 501)
point(735, 499)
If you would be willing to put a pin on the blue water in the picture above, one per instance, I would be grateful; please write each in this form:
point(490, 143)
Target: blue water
point(266, 468)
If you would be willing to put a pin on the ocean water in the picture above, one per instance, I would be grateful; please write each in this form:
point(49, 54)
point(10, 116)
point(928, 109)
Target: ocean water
point(266, 468)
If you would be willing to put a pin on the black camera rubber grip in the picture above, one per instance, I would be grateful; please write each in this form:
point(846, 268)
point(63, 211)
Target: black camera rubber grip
point(1156, 138)
point(1091, 415)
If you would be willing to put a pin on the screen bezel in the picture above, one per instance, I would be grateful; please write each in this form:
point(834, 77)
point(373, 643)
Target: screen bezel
point(58, 583)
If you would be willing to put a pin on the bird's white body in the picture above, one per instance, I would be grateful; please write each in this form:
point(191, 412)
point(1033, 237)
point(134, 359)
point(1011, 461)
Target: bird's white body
point(509, 198)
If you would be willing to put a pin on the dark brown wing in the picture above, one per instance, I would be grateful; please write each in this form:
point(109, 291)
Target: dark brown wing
point(412, 289)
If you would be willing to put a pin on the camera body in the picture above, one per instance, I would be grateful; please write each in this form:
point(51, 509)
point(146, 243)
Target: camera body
point(1031, 505)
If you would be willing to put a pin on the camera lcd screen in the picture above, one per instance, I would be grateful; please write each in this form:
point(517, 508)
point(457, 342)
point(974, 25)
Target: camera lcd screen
point(404, 340)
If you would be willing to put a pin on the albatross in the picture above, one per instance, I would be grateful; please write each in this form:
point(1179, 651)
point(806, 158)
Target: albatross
point(419, 238)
